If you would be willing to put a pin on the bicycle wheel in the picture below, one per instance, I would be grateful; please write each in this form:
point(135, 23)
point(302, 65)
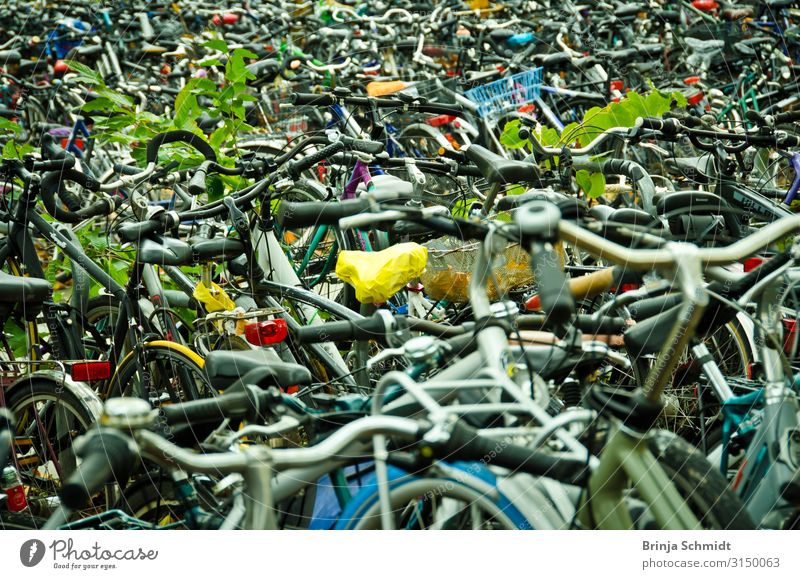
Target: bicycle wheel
point(49, 417)
point(690, 409)
point(703, 487)
point(164, 371)
point(22, 521)
point(431, 503)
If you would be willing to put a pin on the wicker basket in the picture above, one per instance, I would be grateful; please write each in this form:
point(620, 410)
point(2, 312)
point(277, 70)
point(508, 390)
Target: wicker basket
point(450, 266)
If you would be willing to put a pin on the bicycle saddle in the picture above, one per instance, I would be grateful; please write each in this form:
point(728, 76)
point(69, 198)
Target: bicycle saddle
point(30, 67)
point(164, 251)
point(148, 48)
point(85, 50)
point(10, 57)
point(15, 289)
point(631, 216)
point(570, 207)
point(378, 275)
point(225, 367)
point(497, 169)
point(747, 47)
point(699, 169)
point(551, 60)
point(704, 45)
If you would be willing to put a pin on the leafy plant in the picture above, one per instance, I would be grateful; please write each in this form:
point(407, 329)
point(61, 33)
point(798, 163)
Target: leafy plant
point(595, 121)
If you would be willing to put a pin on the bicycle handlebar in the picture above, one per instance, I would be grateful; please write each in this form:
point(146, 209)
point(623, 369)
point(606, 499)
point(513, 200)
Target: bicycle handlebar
point(52, 184)
point(326, 100)
point(107, 455)
point(179, 137)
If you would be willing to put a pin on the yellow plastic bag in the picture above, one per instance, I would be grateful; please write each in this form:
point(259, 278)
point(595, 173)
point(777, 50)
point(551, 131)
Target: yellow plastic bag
point(378, 275)
point(215, 299)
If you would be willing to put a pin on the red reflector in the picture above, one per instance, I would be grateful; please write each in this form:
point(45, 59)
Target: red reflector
point(90, 371)
point(790, 327)
point(752, 262)
point(690, 80)
point(77, 142)
point(527, 108)
point(267, 332)
point(695, 98)
point(533, 303)
point(705, 5)
point(616, 85)
point(440, 120)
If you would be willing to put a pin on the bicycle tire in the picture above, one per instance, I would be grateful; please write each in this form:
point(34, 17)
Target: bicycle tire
point(703, 487)
point(363, 511)
point(123, 382)
point(47, 396)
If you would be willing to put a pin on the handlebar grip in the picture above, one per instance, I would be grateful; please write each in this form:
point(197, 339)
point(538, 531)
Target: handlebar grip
point(53, 152)
point(126, 169)
point(650, 123)
point(788, 117)
point(672, 16)
point(179, 137)
point(304, 214)
point(687, 119)
point(583, 287)
point(469, 171)
point(315, 100)
point(295, 168)
point(438, 109)
point(372, 328)
point(107, 455)
point(584, 322)
point(790, 142)
point(233, 405)
point(465, 443)
point(554, 293)
point(52, 185)
point(668, 126)
point(135, 231)
point(197, 184)
point(370, 147)
point(53, 165)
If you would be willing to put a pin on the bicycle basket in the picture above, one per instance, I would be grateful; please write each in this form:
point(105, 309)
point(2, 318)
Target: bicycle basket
point(512, 92)
point(450, 265)
point(291, 122)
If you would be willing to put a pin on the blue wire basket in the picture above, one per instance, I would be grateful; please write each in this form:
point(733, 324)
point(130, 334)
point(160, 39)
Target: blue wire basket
point(507, 93)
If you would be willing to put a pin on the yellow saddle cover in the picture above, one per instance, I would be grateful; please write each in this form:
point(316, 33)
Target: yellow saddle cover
point(378, 275)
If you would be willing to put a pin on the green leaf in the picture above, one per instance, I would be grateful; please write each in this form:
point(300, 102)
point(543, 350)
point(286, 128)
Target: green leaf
point(509, 138)
point(214, 188)
point(98, 104)
point(9, 126)
point(583, 179)
point(217, 44)
point(115, 97)
point(593, 185)
point(13, 150)
point(86, 73)
point(186, 108)
point(219, 136)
